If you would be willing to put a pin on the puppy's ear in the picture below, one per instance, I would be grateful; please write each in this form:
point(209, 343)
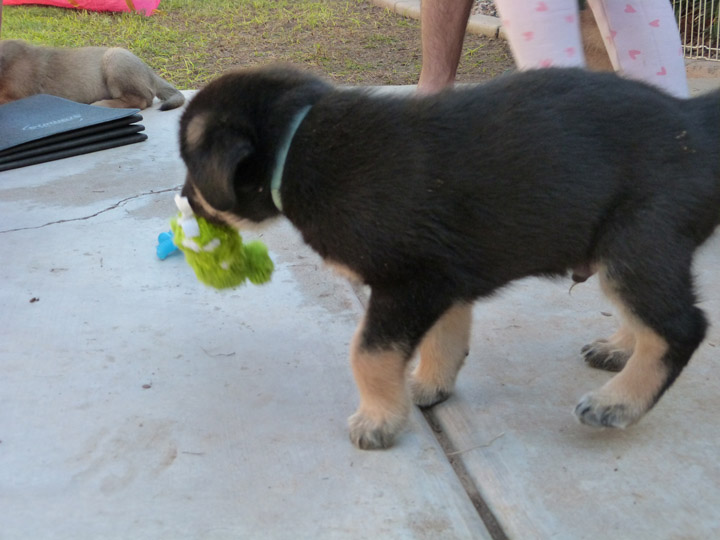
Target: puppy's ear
point(213, 156)
point(218, 182)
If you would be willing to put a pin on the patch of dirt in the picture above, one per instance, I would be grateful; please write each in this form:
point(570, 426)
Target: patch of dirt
point(356, 43)
point(485, 7)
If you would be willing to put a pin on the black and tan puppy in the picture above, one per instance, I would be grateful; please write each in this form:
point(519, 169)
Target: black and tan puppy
point(437, 201)
point(110, 77)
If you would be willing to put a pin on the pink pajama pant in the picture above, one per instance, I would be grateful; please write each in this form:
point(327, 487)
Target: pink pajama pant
point(641, 37)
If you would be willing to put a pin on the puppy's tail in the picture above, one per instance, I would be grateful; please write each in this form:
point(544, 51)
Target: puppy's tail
point(170, 96)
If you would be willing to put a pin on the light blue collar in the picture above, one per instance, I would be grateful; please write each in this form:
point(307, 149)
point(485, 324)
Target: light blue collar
point(282, 156)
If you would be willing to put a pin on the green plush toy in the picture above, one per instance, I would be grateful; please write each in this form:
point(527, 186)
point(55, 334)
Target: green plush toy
point(217, 253)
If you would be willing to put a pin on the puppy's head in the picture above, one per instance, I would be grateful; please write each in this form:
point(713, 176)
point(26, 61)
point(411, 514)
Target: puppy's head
point(16, 70)
point(230, 136)
point(10, 49)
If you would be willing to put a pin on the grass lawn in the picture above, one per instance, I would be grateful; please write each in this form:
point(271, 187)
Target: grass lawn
point(189, 42)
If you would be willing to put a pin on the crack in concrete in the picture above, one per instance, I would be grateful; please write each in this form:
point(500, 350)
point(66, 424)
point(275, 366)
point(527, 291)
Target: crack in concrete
point(118, 204)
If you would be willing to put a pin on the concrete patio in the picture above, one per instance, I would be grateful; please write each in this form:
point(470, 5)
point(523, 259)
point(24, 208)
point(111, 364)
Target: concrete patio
point(137, 403)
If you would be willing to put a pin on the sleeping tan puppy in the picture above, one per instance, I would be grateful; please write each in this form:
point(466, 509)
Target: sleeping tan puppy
point(111, 77)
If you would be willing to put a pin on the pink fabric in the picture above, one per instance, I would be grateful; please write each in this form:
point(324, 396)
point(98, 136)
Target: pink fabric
point(643, 41)
point(143, 6)
point(543, 33)
point(641, 37)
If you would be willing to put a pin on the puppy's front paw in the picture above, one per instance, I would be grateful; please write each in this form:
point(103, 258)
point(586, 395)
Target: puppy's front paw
point(369, 434)
point(597, 410)
point(425, 395)
point(603, 354)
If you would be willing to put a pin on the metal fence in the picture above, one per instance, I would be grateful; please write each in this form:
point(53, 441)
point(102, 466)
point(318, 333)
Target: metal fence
point(699, 22)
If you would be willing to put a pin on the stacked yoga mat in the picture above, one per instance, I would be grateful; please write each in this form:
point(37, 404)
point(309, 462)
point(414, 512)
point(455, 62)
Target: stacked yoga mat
point(45, 128)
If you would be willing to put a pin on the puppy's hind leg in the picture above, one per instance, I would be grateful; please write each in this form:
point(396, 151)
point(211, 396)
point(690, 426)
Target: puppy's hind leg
point(659, 305)
point(383, 344)
point(127, 102)
point(442, 354)
point(628, 395)
point(127, 79)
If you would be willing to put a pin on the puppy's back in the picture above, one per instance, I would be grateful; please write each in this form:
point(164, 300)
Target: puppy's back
point(530, 163)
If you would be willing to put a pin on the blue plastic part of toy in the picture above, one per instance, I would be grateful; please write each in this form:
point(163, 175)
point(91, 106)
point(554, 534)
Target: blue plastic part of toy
point(166, 246)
